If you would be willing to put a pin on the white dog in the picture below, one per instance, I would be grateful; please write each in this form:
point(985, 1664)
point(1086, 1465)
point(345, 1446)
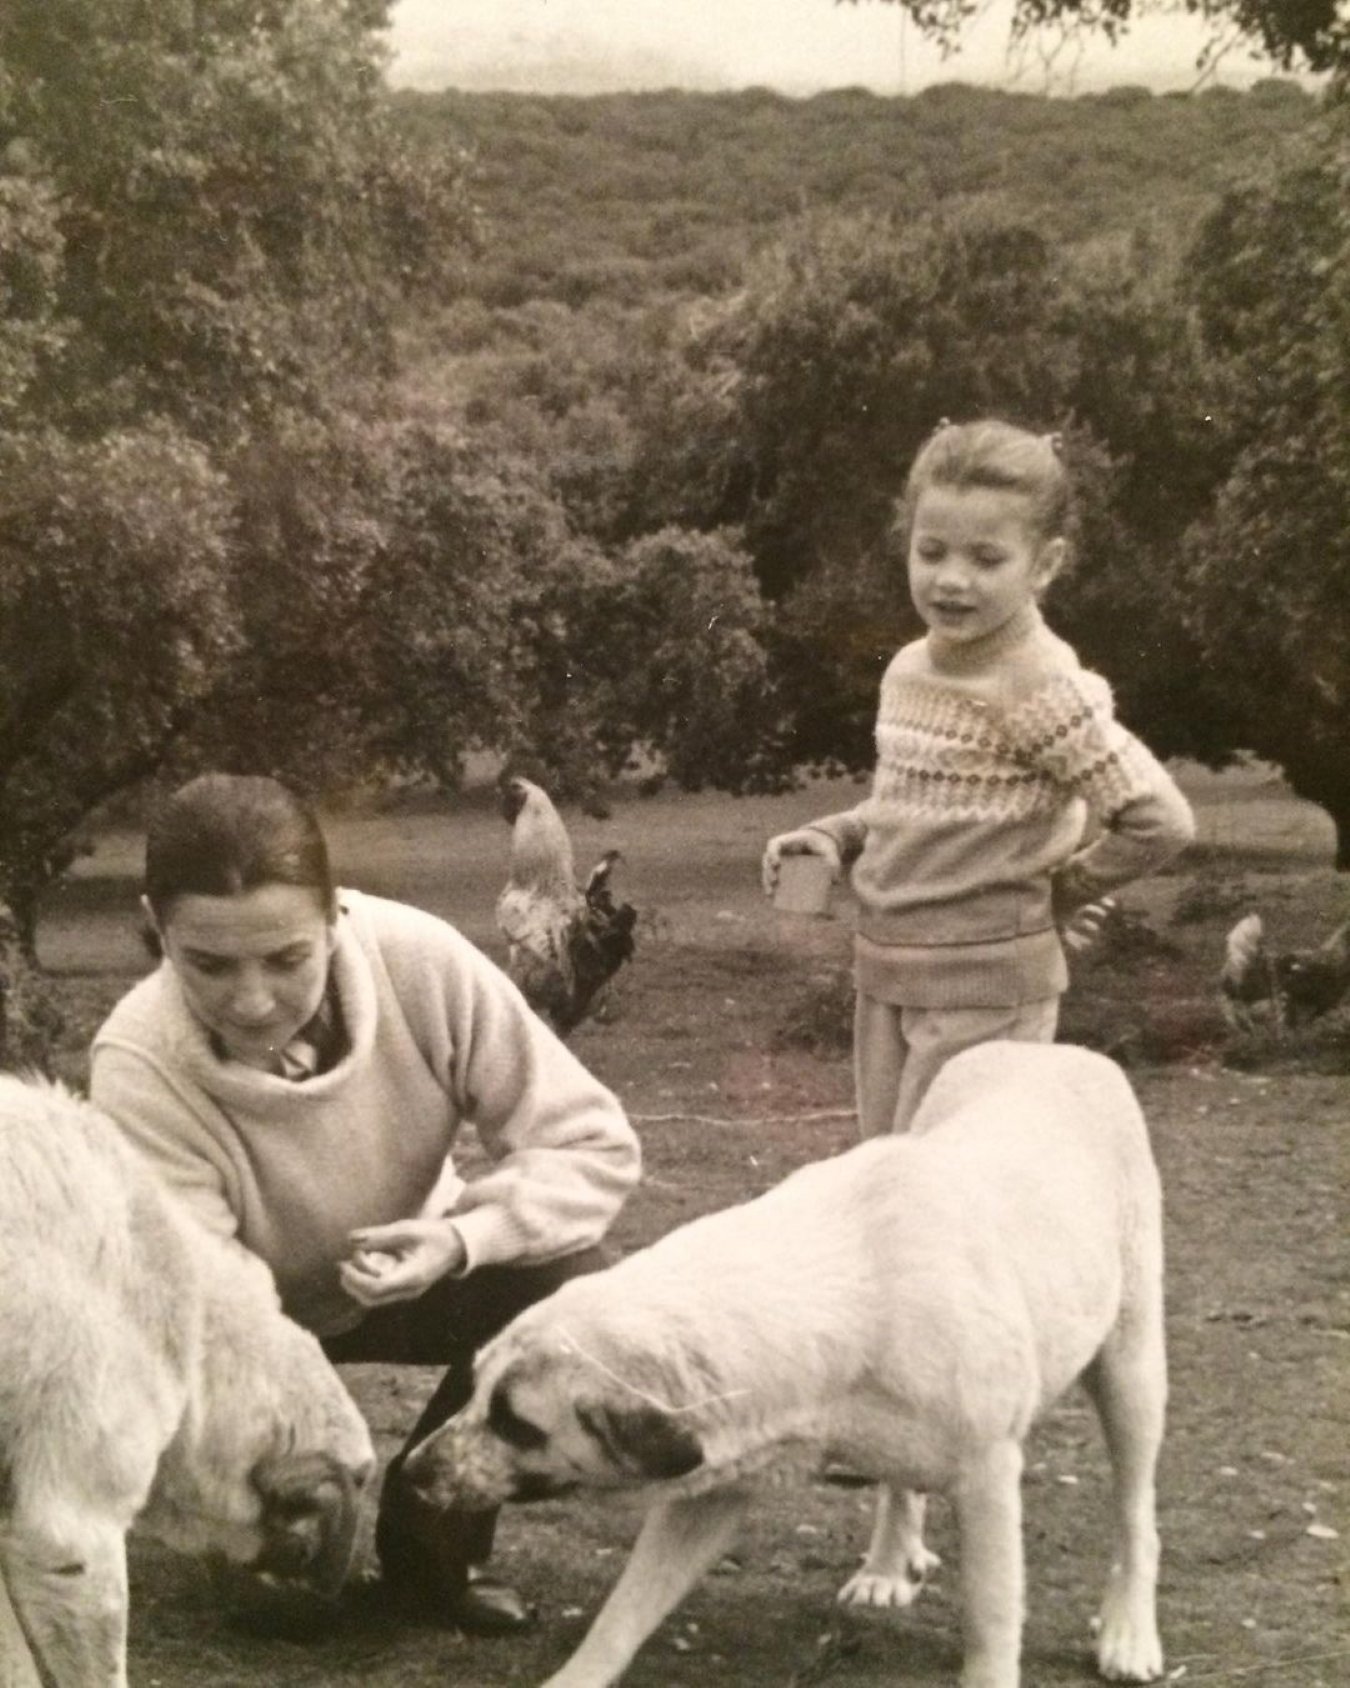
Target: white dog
point(908, 1307)
point(147, 1377)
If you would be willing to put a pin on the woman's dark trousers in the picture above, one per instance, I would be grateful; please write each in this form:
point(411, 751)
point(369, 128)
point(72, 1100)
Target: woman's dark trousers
point(425, 1554)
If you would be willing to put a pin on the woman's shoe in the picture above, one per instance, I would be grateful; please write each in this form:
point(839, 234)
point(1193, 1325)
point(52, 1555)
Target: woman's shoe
point(486, 1606)
point(481, 1606)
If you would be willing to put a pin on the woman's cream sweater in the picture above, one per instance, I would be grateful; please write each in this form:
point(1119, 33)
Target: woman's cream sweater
point(438, 1037)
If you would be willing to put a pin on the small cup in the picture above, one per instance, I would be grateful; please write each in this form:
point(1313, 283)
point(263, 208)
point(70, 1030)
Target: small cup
point(804, 885)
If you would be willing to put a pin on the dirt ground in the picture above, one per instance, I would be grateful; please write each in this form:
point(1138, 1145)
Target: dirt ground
point(726, 1040)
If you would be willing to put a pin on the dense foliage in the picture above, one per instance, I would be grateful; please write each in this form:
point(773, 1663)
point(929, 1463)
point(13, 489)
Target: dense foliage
point(1267, 580)
point(620, 197)
point(617, 491)
point(113, 620)
point(228, 189)
point(788, 404)
point(206, 219)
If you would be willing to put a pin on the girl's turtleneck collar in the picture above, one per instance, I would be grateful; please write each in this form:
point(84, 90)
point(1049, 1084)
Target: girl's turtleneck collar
point(972, 656)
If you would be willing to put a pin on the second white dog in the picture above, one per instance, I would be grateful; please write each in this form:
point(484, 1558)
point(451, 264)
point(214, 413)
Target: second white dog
point(148, 1378)
point(908, 1307)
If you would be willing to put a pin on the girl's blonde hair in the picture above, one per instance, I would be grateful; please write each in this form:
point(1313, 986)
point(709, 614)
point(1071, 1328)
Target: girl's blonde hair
point(990, 453)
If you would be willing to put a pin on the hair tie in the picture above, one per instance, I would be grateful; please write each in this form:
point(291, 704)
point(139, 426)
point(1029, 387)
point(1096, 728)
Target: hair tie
point(1056, 443)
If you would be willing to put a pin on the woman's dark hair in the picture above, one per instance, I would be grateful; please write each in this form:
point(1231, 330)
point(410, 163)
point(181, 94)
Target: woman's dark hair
point(223, 834)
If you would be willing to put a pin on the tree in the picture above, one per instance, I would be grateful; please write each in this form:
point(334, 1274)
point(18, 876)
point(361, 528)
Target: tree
point(806, 401)
point(852, 338)
point(1315, 33)
point(30, 264)
point(683, 634)
point(1267, 582)
point(206, 219)
point(406, 597)
point(235, 209)
point(114, 620)
point(399, 604)
point(1147, 458)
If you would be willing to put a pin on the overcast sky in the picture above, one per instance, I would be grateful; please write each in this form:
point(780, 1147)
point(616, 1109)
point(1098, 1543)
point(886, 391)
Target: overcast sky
point(796, 46)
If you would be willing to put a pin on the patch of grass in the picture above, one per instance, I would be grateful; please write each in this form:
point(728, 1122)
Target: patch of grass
point(1319, 1046)
point(819, 1016)
point(1213, 895)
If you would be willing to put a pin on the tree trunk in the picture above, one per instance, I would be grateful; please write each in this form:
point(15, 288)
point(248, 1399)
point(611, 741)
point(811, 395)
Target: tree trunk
point(23, 910)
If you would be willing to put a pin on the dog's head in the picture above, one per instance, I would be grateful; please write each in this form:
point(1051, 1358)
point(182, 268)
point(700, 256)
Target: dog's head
point(270, 1463)
point(307, 1522)
point(310, 1480)
point(544, 1419)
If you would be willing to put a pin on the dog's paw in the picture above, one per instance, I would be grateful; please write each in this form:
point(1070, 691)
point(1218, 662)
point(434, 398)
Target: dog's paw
point(1127, 1650)
point(866, 1589)
point(897, 1588)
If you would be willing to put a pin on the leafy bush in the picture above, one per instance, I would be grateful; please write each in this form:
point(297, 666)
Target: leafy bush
point(115, 618)
point(31, 1020)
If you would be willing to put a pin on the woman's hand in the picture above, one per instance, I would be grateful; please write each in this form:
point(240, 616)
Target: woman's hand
point(399, 1262)
point(806, 841)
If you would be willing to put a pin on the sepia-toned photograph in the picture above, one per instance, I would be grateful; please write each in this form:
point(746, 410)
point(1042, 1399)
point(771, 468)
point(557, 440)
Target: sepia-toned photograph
point(674, 831)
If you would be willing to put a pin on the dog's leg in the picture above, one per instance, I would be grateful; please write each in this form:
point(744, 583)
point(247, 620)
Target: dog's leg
point(70, 1597)
point(989, 1513)
point(680, 1540)
point(1127, 1382)
point(897, 1562)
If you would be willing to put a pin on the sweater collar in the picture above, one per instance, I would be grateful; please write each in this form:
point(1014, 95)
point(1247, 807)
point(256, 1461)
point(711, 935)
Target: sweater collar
point(973, 656)
point(317, 1046)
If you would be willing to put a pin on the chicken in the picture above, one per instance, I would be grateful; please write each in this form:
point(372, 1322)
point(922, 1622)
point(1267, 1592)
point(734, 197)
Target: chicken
point(564, 942)
point(1290, 988)
point(1314, 981)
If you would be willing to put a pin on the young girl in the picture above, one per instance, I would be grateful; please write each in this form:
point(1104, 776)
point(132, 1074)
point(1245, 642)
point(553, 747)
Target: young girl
point(994, 749)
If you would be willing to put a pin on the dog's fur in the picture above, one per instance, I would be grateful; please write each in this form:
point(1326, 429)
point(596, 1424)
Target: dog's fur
point(909, 1308)
point(147, 1377)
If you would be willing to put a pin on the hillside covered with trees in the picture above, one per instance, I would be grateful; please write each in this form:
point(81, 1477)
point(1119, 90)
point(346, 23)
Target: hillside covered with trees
point(621, 196)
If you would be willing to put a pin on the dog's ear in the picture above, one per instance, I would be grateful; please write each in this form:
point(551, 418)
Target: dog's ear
point(642, 1440)
point(309, 1518)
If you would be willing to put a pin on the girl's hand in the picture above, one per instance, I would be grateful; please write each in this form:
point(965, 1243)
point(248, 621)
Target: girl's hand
point(1084, 926)
point(806, 841)
point(399, 1262)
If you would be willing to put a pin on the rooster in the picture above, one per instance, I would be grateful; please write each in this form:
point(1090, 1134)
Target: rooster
point(1290, 988)
point(565, 942)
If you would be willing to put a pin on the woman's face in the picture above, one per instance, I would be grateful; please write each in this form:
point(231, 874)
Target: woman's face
point(252, 966)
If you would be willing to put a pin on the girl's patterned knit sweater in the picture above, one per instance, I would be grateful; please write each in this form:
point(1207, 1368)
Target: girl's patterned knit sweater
point(1005, 794)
